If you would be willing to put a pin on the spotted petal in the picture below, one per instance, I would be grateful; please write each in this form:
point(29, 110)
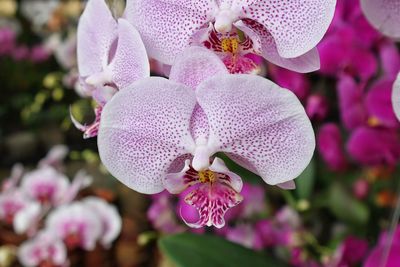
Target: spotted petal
point(143, 129)
point(176, 183)
point(396, 97)
point(296, 26)
point(254, 119)
point(263, 39)
point(130, 62)
point(97, 30)
point(167, 26)
point(383, 15)
point(195, 65)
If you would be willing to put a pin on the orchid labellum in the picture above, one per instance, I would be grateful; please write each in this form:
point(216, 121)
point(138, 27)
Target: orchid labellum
point(161, 134)
point(283, 32)
point(111, 55)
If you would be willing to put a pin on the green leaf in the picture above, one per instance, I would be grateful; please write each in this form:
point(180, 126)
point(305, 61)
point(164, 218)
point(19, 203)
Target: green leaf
point(346, 207)
point(191, 250)
point(305, 182)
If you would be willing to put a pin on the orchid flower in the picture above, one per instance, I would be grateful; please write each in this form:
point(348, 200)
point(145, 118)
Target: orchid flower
point(111, 55)
point(384, 15)
point(27, 220)
point(162, 216)
point(111, 220)
point(11, 203)
point(11, 182)
point(168, 138)
point(283, 33)
point(45, 185)
point(43, 250)
point(76, 224)
point(55, 157)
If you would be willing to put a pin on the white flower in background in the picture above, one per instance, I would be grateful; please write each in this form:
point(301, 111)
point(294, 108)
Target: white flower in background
point(46, 249)
point(27, 219)
point(11, 203)
point(110, 219)
point(76, 224)
point(45, 185)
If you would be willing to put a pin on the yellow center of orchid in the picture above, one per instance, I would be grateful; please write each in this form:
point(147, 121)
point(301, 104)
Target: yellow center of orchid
point(207, 176)
point(373, 121)
point(230, 44)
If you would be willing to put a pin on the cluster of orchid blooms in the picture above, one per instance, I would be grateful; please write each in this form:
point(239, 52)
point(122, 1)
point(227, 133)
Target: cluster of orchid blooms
point(9, 47)
point(156, 133)
point(42, 206)
point(159, 133)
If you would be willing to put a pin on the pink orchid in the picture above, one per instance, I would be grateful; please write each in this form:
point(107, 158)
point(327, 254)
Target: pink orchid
point(55, 157)
point(45, 250)
point(111, 55)
point(330, 146)
point(109, 216)
point(11, 182)
point(167, 139)
point(162, 216)
point(350, 252)
point(384, 15)
point(246, 235)
point(45, 185)
point(387, 252)
point(76, 224)
point(11, 203)
point(283, 33)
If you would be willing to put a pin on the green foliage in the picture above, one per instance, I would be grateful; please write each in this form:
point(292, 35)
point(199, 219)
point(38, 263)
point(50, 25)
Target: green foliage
point(305, 182)
point(346, 207)
point(190, 250)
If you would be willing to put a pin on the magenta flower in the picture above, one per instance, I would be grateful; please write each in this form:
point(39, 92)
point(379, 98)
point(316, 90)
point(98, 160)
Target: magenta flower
point(76, 224)
point(43, 250)
point(374, 146)
point(317, 107)
point(162, 216)
point(341, 52)
point(167, 139)
point(111, 55)
point(295, 82)
point(378, 102)
point(390, 58)
point(330, 146)
point(376, 256)
point(284, 34)
point(353, 112)
point(350, 253)
point(384, 15)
